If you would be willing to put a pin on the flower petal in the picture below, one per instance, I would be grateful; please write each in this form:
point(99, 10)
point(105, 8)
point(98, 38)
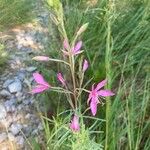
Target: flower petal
point(75, 126)
point(66, 44)
point(39, 79)
point(41, 58)
point(89, 98)
point(101, 84)
point(105, 93)
point(93, 107)
point(78, 52)
point(77, 47)
point(39, 89)
point(85, 65)
point(61, 79)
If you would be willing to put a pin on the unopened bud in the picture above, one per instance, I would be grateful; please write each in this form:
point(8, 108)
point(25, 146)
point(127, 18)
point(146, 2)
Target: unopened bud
point(82, 28)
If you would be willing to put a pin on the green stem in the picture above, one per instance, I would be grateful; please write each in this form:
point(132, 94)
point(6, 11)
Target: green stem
point(108, 74)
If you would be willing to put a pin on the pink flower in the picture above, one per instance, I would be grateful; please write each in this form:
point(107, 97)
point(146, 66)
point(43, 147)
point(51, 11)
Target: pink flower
point(75, 50)
point(85, 65)
point(42, 84)
point(61, 79)
point(41, 58)
point(75, 126)
point(66, 44)
point(95, 93)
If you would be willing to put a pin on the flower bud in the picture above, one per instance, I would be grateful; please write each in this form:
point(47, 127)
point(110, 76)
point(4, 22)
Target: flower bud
point(82, 28)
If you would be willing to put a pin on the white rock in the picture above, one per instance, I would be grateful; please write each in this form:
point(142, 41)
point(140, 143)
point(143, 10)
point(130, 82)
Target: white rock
point(15, 87)
point(5, 93)
point(7, 82)
point(20, 140)
point(10, 108)
point(10, 102)
point(31, 69)
point(26, 101)
point(11, 137)
point(15, 128)
point(3, 137)
point(3, 112)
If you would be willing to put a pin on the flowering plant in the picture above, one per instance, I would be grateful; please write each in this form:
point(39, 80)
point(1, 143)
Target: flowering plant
point(74, 89)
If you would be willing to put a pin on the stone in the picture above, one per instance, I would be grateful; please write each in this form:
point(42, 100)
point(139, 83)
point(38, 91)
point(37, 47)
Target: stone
point(3, 112)
point(20, 140)
point(15, 128)
point(11, 136)
point(5, 123)
point(10, 102)
point(35, 132)
point(10, 108)
point(21, 76)
point(28, 116)
point(15, 87)
point(31, 69)
point(19, 94)
point(3, 137)
point(27, 130)
point(40, 127)
point(5, 93)
point(26, 101)
point(7, 82)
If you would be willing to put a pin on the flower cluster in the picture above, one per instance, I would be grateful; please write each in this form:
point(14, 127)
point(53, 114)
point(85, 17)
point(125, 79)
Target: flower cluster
point(94, 95)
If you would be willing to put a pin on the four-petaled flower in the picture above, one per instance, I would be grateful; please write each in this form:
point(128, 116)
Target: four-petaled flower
point(74, 125)
point(75, 50)
point(95, 93)
point(42, 84)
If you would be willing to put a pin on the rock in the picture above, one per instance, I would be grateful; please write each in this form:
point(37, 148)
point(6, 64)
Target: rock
point(5, 123)
point(19, 94)
point(31, 69)
point(20, 107)
point(3, 137)
point(20, 141)
point(40, 127)
point(11, 137)
point(28, 116)
point(5, 93)
point(27, 129)
point(3, 112)
point(21, 76)
point(15, 128)
point(15, 87)
point(7, 82)
point(35, 132)
point(26, 101)
point(10, 102)
point(10, 108)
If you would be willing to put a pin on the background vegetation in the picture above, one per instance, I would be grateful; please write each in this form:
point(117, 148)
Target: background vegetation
point(117, 45)
point(15, 12)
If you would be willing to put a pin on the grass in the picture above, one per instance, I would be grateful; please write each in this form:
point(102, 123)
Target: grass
point(3, 56)
point(15, 12)
point(117, 46)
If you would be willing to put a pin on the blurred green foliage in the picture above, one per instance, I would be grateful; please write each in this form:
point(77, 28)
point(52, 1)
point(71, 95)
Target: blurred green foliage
point(3, 56)
point(14, 12)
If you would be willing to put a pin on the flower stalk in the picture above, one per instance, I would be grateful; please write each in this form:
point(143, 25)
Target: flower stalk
point(74, 89)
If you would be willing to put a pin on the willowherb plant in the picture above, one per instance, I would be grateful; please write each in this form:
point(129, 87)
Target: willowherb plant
point(74, 89)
